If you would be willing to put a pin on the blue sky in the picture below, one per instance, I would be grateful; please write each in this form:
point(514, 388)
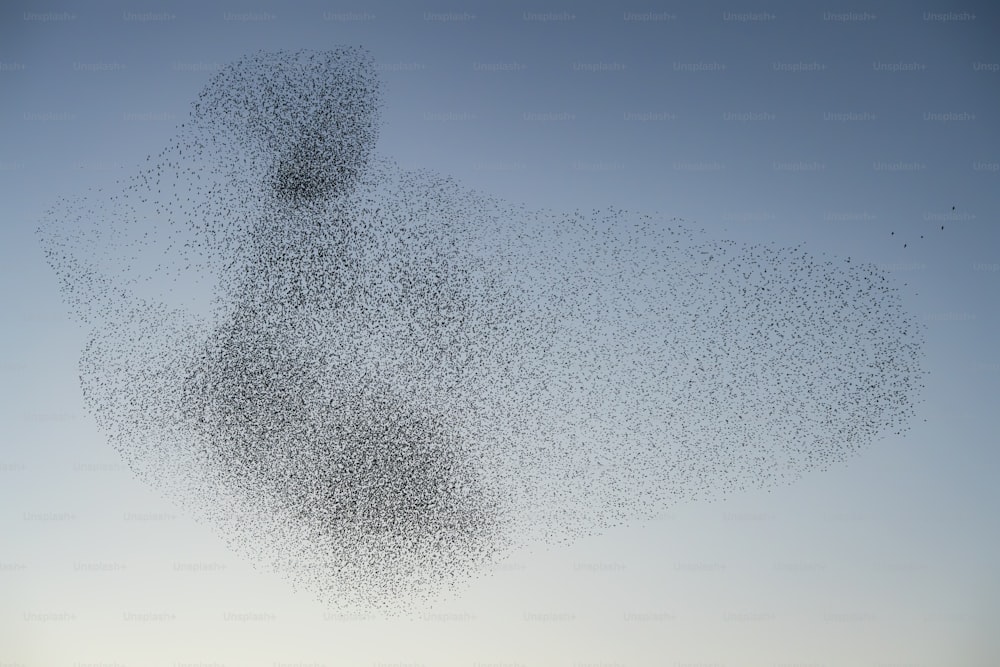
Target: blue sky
point(853, 129)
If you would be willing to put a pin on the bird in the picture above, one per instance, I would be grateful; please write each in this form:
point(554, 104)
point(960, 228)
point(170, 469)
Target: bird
point(382, 382)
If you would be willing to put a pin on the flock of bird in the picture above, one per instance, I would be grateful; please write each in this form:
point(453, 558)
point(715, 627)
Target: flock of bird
point(381, 383)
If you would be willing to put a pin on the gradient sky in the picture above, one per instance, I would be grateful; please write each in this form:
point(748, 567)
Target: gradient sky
point(832, 124)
